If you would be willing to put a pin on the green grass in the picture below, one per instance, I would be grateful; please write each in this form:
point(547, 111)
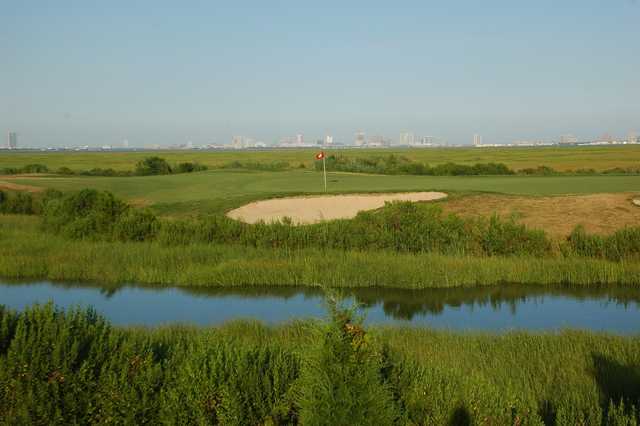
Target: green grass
point(215, 191)
point(28, 253)
point(560, 158)
point(75, 368)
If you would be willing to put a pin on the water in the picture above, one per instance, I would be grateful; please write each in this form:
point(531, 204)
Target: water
point(491, 308)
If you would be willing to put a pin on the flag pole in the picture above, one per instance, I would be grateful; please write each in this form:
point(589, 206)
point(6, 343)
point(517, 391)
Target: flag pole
point(324, 169)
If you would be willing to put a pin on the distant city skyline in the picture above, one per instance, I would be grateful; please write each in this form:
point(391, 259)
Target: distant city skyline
point(87, 73)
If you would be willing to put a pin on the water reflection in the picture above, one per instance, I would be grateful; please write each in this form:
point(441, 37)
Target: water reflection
point(503, 307)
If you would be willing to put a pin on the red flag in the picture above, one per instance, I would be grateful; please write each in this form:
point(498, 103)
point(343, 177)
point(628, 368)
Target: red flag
point(320, 155)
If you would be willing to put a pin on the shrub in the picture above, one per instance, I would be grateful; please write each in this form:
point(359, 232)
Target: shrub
point(341, 381)
point(501, 238)
point(65, 171)
point(18, 203)
point(189, 167)
point(29, 168)
point(85, 214)
point(152, 166)
point(136, 225)
point(402, 165)
point(624, 243)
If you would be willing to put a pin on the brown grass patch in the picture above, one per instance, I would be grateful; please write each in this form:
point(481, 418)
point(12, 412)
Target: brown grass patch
point(17, 187)
point(598, 213)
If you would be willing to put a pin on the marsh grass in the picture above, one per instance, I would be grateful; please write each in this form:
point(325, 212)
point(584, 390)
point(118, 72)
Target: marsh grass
point(74, 367)
point(28, 253)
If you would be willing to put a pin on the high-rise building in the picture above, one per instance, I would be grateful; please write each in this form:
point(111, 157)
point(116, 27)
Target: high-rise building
point(407, 138)
point(568, 139)
point(300, 139)
point(328, 140)
point(237, 142)
point(360, 139)
point(12, 140)
point(606, 137)
point(477, 140)
point(428, 141)
point(633, 137)
point(376, 140)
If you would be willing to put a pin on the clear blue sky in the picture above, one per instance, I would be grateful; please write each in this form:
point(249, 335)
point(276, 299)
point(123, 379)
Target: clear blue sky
point(89, 72)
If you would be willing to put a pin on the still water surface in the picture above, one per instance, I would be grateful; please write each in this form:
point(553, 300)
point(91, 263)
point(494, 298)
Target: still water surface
point(490, 308)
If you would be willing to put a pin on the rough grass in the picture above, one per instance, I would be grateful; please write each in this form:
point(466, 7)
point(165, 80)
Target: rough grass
point(26, 253)
point(221, 190)
point(558, 215)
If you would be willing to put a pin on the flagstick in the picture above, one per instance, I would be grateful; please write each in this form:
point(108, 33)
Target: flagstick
point(324, 169)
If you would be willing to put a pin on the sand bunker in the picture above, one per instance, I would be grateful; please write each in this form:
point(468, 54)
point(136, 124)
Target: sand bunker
point(318, 208)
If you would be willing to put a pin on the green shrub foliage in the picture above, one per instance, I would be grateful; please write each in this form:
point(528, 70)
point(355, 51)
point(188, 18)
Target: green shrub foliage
point(84, 214)
point(400, 165)
point(622, 244)
point(341, 381)
point(153, 166)
point(18, 203)
point(73, 367)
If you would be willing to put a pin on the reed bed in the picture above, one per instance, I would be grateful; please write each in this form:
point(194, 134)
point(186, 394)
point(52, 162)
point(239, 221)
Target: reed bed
point(28, 253)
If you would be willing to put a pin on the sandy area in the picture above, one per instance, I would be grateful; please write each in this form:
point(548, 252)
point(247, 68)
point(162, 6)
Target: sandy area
point(318, 208)
point(558, 215)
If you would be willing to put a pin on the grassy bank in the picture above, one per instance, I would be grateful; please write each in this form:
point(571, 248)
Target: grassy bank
point(75, 368)
point(27, 253)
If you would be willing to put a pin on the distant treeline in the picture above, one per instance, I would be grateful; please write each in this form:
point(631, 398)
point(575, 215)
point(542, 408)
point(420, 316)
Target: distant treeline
point(274, 166)
point(400, 165)
point(146, 167)
point(400, 226)
point(74, 367)
point(387, 165)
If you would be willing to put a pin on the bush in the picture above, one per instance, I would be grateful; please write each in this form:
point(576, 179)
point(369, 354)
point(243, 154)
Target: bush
point(136, 225)
point(18, 203)
point(624, 243)
point(402, 165)
point(189, 167)
point(501, 238)
point(29, 168)
point(152, 166)
point(85, 214)
point(341, 381)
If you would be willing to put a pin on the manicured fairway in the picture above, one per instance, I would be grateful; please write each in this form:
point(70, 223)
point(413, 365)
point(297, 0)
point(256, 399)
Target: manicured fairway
point(560, 158)
point(216, 190)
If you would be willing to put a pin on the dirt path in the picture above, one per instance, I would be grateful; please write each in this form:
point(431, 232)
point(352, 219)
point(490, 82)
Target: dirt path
point(318, 208)
point(598, 213)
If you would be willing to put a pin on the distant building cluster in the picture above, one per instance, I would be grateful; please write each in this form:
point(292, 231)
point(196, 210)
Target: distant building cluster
point(12, 140)
point(360, 140)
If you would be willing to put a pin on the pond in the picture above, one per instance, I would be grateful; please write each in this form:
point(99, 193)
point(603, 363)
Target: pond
point(479, 308)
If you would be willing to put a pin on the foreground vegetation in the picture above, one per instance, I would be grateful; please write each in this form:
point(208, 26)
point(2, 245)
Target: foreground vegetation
point(75, 368)
point(28, 253)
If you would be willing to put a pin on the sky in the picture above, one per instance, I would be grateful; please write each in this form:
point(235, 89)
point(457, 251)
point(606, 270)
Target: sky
point(168, 72)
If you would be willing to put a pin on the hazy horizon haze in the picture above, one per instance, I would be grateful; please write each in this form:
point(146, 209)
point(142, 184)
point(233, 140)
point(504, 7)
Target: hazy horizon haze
point(81, 73)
